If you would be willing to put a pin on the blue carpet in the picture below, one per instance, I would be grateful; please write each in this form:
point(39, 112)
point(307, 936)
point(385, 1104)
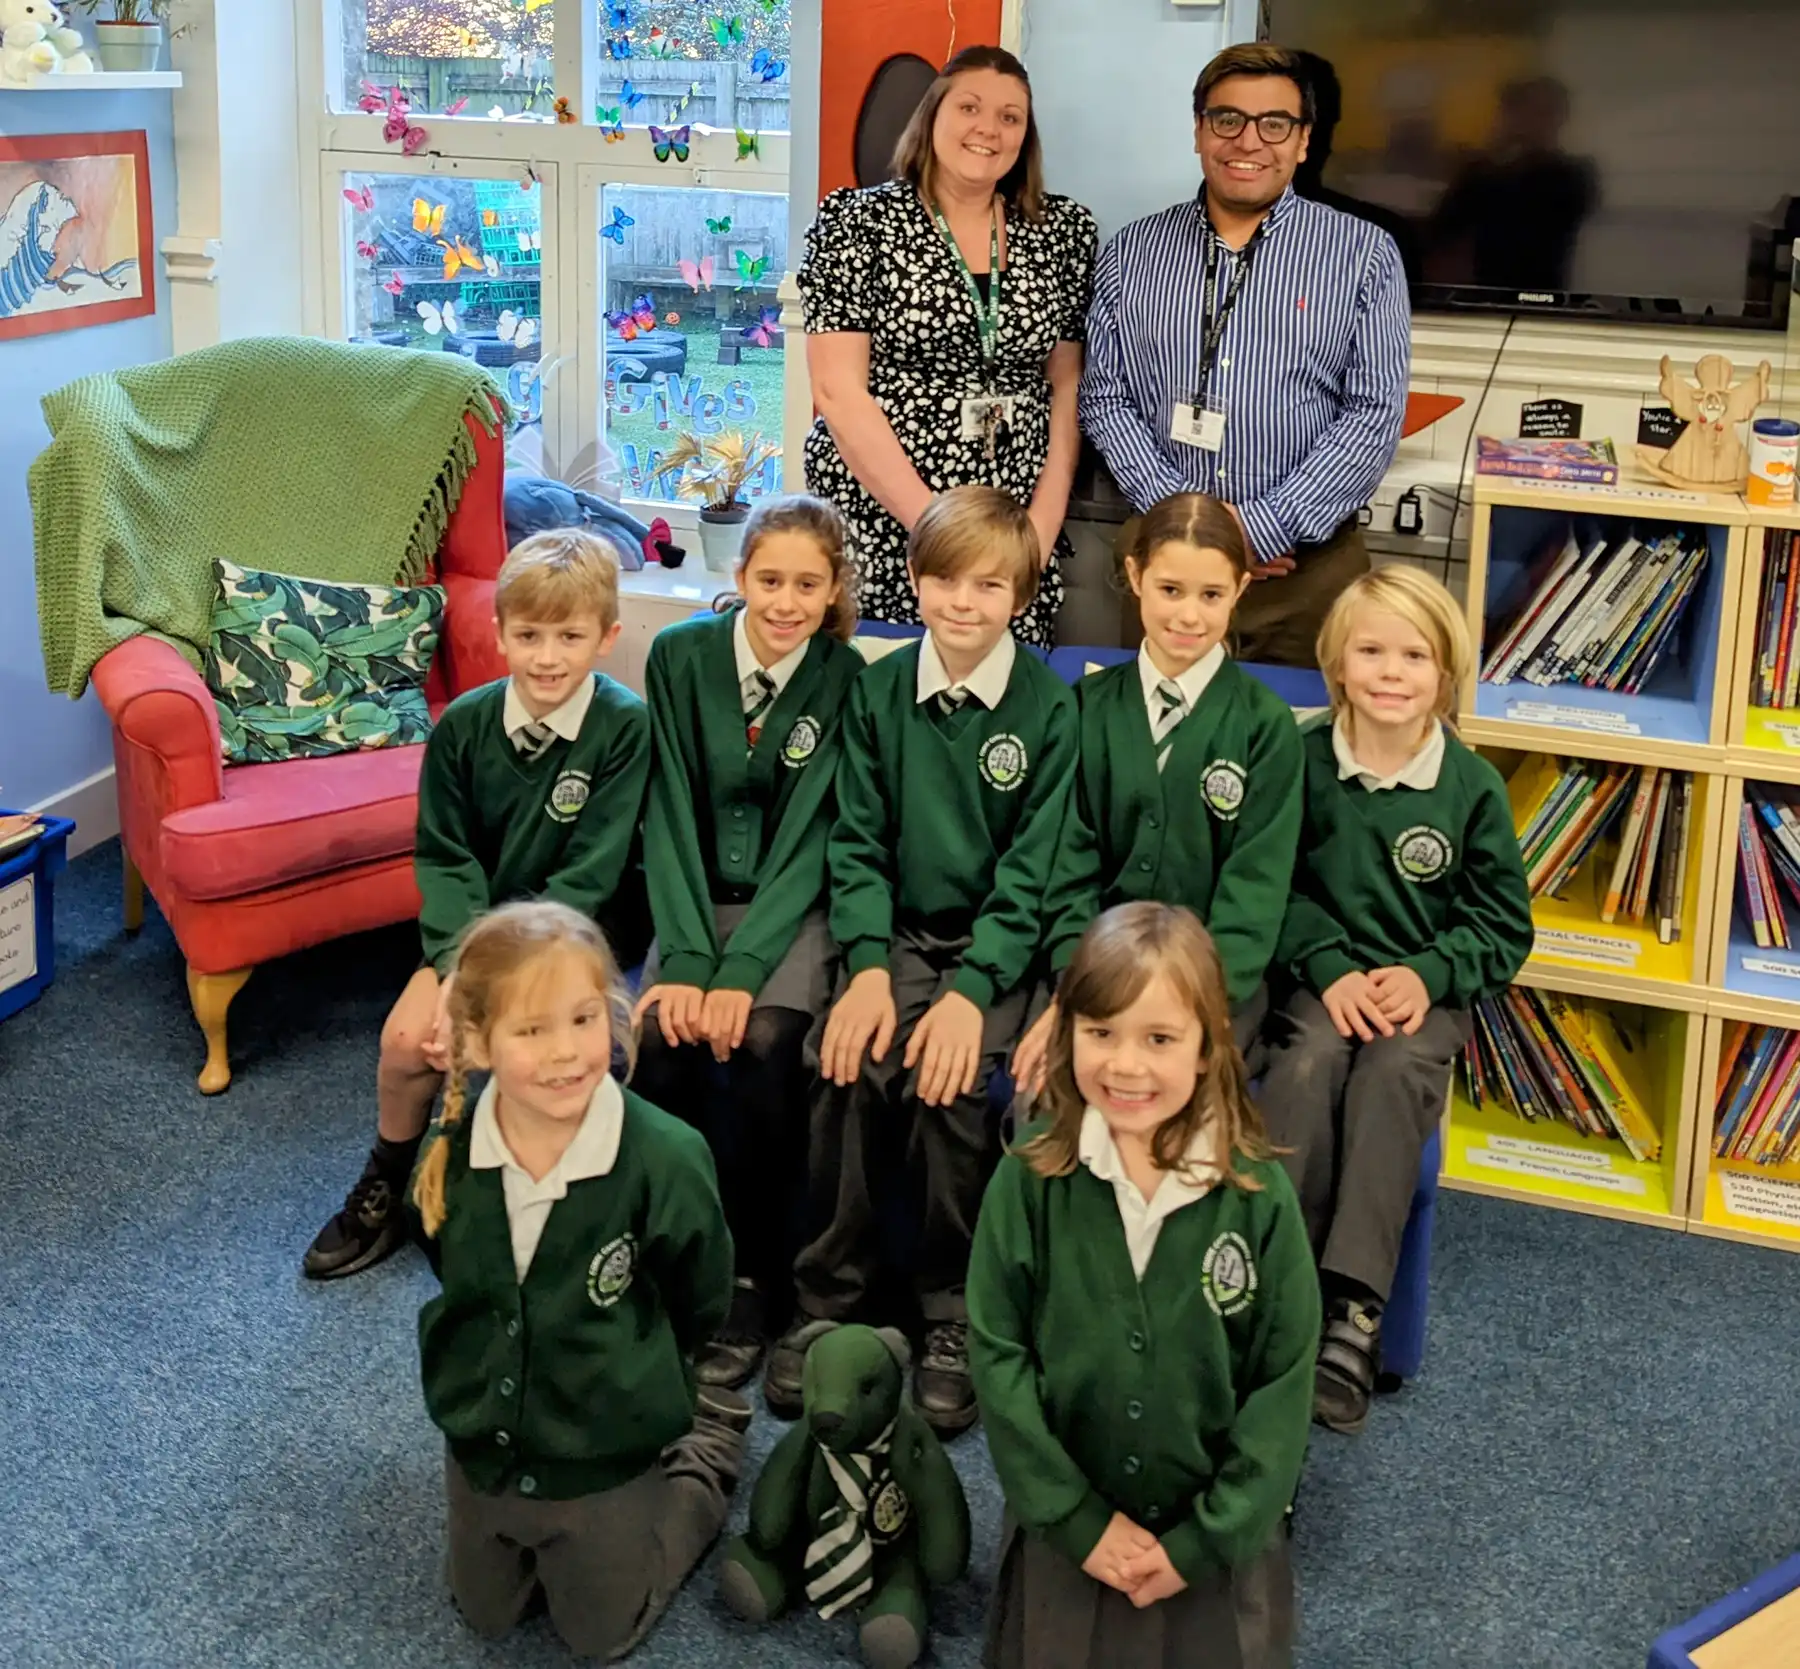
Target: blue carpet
point(205, 1460)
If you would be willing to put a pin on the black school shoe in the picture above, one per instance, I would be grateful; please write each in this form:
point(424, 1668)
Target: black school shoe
point(735, 1352)
point(371, 1226)
point(942, 1388)
point(1349, 1353)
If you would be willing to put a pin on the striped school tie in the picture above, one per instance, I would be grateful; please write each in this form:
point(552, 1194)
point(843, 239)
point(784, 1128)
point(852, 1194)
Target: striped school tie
point(532, 739)
point(759, 697)
point(839, 1566)
point(950, 701)
point(1172, 712)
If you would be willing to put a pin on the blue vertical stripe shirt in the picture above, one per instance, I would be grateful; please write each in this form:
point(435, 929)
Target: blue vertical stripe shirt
point(1311, 371)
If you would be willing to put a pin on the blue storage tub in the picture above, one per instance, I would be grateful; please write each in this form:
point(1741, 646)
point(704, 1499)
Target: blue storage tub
point(28, 916)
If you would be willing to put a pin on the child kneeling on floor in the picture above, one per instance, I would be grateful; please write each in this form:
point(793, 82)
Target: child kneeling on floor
point(1142, 1320)
point(1410, 906)
point(584, 1259)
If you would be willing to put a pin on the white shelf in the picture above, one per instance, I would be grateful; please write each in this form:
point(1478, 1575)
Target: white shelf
point(101, 81)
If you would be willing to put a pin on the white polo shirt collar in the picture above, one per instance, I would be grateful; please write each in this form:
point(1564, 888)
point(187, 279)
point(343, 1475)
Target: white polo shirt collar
point(1143, 1219)
point(987, 683)
point(1191, 683)
point(565, 720)
point(781, 673)
point(1421, 771)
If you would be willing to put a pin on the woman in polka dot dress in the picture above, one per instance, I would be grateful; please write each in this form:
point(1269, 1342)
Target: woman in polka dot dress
point(944, 322)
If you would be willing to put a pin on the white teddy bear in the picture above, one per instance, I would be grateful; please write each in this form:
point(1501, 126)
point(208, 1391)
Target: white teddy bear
point(35, 42)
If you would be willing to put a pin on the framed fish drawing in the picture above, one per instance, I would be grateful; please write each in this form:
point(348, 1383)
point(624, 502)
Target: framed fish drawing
point(75, 231)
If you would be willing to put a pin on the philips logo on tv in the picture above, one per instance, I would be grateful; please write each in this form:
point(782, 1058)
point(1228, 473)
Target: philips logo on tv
point(1537, 295)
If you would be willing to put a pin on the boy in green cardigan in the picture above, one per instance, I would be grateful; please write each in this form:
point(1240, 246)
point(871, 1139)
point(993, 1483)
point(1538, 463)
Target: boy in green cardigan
point(531, 788)
point(958, 752)
point(1409, 904)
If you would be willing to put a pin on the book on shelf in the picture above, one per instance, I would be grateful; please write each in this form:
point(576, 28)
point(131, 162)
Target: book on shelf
point(1757, 1095)
point(1566, 809)
point(1768, 863)
point(1602, 611)
point(1545, 1056)
point(1592, 461)
point(1776, 679)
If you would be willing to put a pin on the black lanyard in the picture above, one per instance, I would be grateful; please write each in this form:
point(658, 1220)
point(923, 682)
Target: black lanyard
point(1213, 319)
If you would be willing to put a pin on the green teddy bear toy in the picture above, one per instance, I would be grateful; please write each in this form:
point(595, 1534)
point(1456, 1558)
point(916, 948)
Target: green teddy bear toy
point(858, 1507)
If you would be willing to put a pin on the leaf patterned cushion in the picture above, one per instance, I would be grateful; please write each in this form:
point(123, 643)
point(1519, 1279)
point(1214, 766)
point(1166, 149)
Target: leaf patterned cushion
point(301, 667)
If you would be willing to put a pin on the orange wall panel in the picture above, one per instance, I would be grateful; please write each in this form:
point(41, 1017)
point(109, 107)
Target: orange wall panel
point(858, 36)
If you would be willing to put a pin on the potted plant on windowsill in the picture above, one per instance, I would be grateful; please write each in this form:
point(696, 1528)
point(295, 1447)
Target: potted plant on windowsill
point(714, 469)
point(130, 39)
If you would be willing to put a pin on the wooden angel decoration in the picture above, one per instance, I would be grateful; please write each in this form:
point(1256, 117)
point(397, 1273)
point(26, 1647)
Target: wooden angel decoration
point(1708, 456)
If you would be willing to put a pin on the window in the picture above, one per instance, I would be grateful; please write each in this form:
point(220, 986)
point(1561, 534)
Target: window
point(693, 340)
point(620, 285)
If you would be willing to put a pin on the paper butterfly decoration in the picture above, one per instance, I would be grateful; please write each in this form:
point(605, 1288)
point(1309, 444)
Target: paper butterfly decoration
point(516, 331)
point(751, 271)
point(438, 318)
point(397, 127)
point(762, 333)
point(638, 320)
point(373, 98)
point(605, 114)
point(367, 250)
point(530, 241)
point(618, 14)
point(615, 133)
point(765, 66)
point(728, 32)
point(698, 275)
point(718, 228)
point(458, 256)
point(616, 231)
point(457, 108)
point(393, 286)
point(749, 144)
point(563, 113)
point(629, 96)
point(675, 140)
point(618, 47)
point(662, 45)
point(362, 200)
point(427, 217)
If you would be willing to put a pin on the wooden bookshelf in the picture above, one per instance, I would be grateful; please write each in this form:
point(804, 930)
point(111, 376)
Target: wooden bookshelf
point(1693, 715)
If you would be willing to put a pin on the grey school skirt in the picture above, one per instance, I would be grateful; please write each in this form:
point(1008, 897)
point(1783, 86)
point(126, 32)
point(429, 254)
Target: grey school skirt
point(802, 979)
point(1050, 1614)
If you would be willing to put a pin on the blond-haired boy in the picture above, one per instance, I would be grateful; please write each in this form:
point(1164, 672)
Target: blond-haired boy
point(532, 787)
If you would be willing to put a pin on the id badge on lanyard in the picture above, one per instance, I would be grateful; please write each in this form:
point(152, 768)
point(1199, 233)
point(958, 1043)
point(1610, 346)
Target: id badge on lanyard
point(1197, 422)
point(987, 417)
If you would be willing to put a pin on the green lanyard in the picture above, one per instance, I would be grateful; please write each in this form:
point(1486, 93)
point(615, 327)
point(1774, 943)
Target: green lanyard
point(987, 313)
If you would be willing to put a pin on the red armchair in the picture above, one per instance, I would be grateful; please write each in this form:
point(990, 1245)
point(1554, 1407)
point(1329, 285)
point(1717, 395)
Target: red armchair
point(250, 862)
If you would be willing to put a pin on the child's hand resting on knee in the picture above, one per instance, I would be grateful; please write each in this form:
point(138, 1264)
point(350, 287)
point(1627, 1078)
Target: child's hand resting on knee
point(1120, 1543)
point(863, 1018)
point(723, 1019)
point(1355, 1007)
point(1401, 996)
point(678, 1010)
point(1033, 1053)
point(436, 1048)
point(946, 1048)
point(1149, 1576)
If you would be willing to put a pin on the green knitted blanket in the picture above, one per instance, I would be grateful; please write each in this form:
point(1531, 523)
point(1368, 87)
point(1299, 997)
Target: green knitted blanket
point(281, 453)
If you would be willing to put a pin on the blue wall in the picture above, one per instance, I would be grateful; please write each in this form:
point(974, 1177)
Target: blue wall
point(47, 742)
point(1113, 84)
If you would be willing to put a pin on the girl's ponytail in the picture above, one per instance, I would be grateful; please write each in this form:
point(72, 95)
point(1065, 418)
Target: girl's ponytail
point(428, 1185)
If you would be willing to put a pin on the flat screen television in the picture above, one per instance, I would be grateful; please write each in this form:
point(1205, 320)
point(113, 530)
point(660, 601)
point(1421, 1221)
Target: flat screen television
point(1635, 159)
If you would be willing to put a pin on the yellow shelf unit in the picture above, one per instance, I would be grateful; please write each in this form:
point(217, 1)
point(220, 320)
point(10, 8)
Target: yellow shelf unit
point(1490, 1150)
point(1732, 1199)
point(1578, 950)
point(1760, 742)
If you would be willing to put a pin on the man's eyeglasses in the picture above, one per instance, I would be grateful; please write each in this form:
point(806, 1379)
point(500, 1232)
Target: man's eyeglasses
point(1275, 126)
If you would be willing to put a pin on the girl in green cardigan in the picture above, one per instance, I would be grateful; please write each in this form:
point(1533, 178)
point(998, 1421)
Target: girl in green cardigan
point(1188, 790)
point(584, 1257)
point(1143, 1315)
point(744, 710)
point(1411, 905)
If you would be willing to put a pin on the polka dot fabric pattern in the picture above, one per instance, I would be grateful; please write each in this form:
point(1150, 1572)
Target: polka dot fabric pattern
point(875, 265)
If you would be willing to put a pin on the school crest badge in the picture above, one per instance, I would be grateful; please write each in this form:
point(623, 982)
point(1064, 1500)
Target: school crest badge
point(889, 1511)
point(1228, 1274)
point(1422, 853)
point(802, 742)
point(1003, 762)
point(1222, 788)
point(609, 1275)
point(567, 796)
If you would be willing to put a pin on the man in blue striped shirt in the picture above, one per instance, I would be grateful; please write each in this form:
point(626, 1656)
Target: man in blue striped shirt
point(1254, 346)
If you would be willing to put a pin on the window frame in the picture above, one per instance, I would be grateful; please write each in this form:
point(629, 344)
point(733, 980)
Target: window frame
point(573, 163)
